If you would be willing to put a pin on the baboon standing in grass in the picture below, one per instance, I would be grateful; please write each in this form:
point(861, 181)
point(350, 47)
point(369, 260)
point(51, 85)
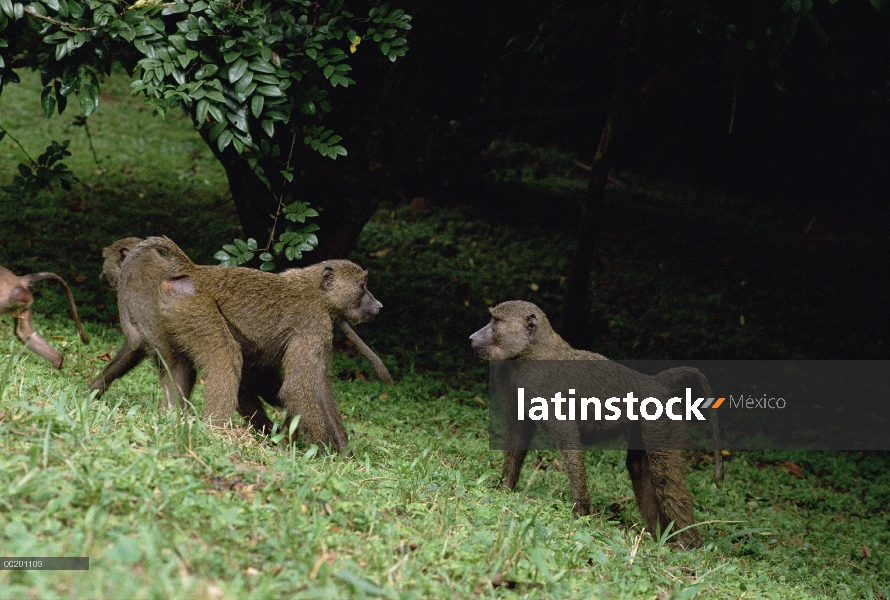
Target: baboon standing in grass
point(16, 300)
point(139, 320)
point(520, 330)
point(235, 324)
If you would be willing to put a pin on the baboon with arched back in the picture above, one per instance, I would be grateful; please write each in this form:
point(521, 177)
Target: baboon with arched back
point(520, 330)
point(221, 319)
point(138, 308)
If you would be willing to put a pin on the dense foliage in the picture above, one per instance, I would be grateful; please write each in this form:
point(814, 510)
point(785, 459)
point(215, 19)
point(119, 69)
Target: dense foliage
point(242, 70)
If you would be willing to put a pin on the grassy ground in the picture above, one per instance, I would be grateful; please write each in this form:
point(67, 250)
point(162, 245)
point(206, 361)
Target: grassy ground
point(166, 507)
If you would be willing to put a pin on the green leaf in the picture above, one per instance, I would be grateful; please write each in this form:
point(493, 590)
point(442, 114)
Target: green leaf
point(268, 127)
point(262, 66)
point(178, 42)
point(52, 4)
point(243, 82)
point(237, 70)
point(328, 70)
point(216, 130)
point(6, 5)
point(222, 256)
point(206, 71)
point(267, 266)
point(269, 90)
point(266, 257)
point(201, 111)
point(48, 101)
point(224, 138)
point(89, 98)
point(256, 105)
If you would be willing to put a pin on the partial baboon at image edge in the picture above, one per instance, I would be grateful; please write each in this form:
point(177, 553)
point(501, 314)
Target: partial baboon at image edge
point(16, 300)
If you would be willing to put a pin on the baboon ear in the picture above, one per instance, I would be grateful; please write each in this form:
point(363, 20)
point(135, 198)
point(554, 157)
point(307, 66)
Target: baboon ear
point(327, 278)
point(531, 324)
point(123, 252)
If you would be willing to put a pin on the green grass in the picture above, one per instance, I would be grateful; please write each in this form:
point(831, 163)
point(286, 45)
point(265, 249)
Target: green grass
point(167, 507)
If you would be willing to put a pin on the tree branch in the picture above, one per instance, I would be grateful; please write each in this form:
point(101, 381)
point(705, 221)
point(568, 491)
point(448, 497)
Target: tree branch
point(59, 23)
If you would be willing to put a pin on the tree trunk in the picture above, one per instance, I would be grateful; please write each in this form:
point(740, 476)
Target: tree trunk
point(576, 317)
point(576, 311)
point(254, 202)
point(345, 207)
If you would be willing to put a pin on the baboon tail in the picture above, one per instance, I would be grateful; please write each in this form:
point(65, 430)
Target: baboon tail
point(693, 378)
point(41, 276)
point(180, 263)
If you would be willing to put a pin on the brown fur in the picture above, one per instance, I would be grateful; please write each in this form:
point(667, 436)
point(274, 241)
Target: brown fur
point(520, 330)
point(16, 300)
point(221, 319)
point(138, 309)
point(137, 305)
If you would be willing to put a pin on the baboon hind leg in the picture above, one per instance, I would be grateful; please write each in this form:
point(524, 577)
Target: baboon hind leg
point(178, 382)
point(122, 363)
point(668, 475)
point(641, 479)
point(215, 352)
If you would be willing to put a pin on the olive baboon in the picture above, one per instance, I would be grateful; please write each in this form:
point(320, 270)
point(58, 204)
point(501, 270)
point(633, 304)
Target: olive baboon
point(237, 325)
point(139, 303)
point(15, 301)
point(520, 330)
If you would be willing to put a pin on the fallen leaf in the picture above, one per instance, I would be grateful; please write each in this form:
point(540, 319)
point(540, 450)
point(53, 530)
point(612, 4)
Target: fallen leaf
point(792, 468)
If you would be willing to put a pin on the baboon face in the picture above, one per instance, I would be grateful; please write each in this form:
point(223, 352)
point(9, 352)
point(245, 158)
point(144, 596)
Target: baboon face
point(113, 256)
point(345, 286)
point(512, 328)
point(15, 298)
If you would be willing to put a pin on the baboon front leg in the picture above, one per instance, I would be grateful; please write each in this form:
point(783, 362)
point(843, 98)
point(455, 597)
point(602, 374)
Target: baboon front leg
point(305, 370)
point(333, 418)
point(122, 363)
point(573, 463)
point(519, 438)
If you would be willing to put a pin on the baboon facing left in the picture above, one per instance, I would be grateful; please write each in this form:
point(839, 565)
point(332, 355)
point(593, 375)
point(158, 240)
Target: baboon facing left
point(520, 330)
point(231, 321)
